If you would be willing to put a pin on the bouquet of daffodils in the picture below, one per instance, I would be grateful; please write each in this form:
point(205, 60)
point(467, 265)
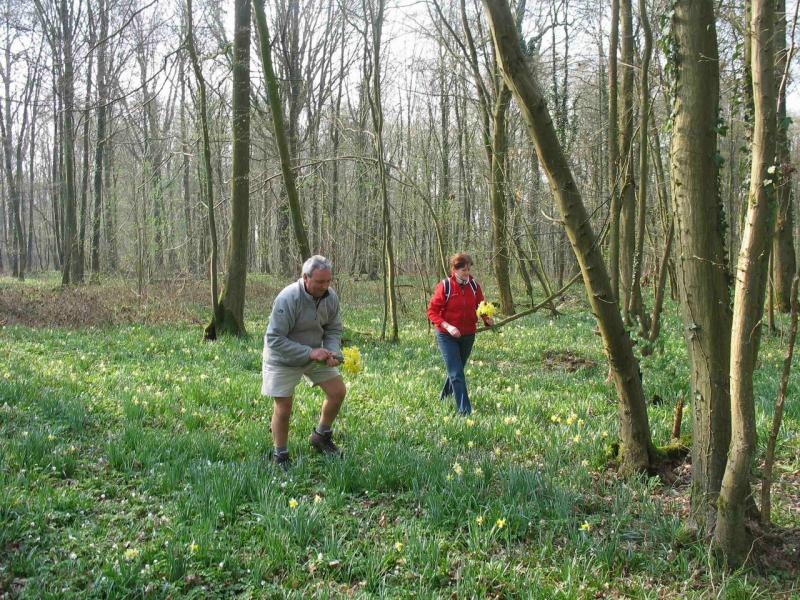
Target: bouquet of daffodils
point(352, 360)
point(486, 309)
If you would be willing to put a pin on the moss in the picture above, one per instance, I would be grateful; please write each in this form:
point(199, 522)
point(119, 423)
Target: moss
point(675, 450)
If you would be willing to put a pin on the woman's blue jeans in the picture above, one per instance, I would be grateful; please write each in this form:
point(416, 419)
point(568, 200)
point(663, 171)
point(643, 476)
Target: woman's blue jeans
point(455, 352)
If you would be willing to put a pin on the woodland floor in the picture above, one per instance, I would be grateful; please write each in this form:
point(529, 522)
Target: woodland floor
point(133, 460)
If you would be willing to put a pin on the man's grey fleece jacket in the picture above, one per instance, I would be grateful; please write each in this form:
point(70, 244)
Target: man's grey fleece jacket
point(299, 323)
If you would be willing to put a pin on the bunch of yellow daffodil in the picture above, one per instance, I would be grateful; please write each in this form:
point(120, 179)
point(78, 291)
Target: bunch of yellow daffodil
point(486, 309)
point(352, 360)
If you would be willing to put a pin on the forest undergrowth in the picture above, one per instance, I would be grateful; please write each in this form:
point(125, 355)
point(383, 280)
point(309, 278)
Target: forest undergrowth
point(134, 460)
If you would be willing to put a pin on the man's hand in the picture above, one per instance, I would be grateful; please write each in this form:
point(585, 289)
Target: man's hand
point(489, 321)
point(320, 354)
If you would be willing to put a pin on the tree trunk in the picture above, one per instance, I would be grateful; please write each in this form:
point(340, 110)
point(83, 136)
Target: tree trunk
point(375, 14)
point(85, 175)
point(637, 449)
point(783, 257)
point(207, 181)
point(276, 108)
point(102, 99)
point(231, 302)
point(703, 285)
point(497, 200)
point(70, 271)
point(613, 150)
point(777, 415)
point(636, 307)
point(627, 216)
point(731, 535)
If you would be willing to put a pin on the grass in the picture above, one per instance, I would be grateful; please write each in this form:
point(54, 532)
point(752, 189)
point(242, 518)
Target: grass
point(133, 463)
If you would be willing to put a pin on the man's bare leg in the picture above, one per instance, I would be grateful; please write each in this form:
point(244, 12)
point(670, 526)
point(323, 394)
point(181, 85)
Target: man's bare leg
point(335, 392)
point(281, 411)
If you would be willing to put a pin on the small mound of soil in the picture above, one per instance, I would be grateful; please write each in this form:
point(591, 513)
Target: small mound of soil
point(566, 360)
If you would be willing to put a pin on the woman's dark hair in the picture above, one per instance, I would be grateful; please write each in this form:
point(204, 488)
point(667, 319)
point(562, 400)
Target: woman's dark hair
point(459, 260)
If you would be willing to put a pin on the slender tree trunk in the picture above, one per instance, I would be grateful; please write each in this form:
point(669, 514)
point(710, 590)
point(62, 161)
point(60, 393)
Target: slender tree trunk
point(70, 271)
point(731, 535)
point(613, 150)
point(207, 181)
point(628, 191)
point(276, 108)
point(191, 262)
point(636, 301)
point(497, 200)
point(102, 99)
point(637, 449)
point(654, 327)
point(84, 216)
point(110, 203)
point(783, 256)
point(777, 415)
point(375, 14)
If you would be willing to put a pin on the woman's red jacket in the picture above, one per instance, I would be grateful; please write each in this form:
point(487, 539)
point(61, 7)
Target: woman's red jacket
point(459, 309)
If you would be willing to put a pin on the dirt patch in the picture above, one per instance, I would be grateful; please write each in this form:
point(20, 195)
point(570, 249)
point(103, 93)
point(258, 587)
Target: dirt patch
point(117, 303)
point(566, 360)
point(775, 548)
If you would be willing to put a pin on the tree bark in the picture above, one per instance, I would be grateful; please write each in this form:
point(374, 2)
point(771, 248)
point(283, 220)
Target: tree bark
point(701, 266)
point(637, 452)
point(783, 256)
point(731, 535)
point(627, 216)
point(636, 307)
point(207, 180)
point(232, 298)
point(102, 99)
point(613, 150)
point(497, 200)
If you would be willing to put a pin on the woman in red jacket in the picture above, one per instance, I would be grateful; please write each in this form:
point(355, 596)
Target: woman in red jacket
point(453, 310)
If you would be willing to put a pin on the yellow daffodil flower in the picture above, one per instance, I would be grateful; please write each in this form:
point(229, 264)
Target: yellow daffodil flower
point(486, 309)
point(352, 360)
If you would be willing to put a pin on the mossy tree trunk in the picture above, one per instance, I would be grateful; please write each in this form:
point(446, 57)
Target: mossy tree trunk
point(731, 535)
point(276, 109)
point(637, 452)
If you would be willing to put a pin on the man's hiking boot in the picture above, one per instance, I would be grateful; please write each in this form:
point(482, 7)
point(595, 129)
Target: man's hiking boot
point(281, 460)
point(323, 442)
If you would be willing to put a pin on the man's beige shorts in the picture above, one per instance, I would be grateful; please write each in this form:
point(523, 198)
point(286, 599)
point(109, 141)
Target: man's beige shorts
point(279, 381)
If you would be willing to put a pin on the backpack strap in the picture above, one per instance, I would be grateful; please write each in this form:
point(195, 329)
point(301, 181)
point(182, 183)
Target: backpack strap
point(446, 284)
